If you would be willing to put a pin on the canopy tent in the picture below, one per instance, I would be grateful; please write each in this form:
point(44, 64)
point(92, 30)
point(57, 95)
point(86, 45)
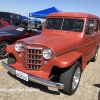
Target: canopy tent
point(44, 13)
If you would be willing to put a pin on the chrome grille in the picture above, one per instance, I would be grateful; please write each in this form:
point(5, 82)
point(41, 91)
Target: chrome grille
point(32, 57)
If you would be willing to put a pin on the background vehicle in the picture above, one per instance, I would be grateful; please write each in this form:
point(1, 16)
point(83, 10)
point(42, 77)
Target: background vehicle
point(3, 24)
point(10, 34)
point(12, 18)
point(39, 26)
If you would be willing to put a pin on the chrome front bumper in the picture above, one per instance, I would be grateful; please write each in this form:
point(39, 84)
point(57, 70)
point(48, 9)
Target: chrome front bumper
point(35, 79)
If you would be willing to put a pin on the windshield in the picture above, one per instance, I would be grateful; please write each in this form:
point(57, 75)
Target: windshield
point(13, 29)
point(75, 25)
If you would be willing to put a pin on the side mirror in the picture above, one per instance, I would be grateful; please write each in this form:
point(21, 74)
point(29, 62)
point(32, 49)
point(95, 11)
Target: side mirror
point(89, 28)
point(27, 33)
point(91, 25)
point(89, 31)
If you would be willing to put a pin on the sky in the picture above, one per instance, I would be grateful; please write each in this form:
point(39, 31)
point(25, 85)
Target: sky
point(24, 7)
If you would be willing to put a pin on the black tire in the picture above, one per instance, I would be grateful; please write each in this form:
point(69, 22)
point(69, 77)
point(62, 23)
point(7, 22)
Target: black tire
point(96, 55)
point(67, 78)
point(3, 53)
point(11, 59)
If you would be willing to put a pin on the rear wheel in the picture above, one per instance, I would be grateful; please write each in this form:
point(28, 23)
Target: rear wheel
point(3, 52)
point(71, 78)
point(96, 55)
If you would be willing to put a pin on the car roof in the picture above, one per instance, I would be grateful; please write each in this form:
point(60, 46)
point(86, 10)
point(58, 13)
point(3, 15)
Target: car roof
point(73, 14)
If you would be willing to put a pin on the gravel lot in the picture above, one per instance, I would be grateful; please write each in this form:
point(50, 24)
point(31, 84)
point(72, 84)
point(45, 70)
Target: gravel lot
point(12, 88)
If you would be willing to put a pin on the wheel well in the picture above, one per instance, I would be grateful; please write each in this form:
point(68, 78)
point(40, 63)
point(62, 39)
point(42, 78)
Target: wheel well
point(6, 41)
point(56, 71)
point(97, 46)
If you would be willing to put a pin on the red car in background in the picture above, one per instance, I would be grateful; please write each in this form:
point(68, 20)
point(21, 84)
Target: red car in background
point(10, 34)
point(3, 24)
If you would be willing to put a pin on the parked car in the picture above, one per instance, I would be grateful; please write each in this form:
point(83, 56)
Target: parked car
point(58, 56)
point(3, 24)
point(10, 34)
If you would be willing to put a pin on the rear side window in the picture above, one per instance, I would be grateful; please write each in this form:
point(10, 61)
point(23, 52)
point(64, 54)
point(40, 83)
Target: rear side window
point(89, 27)
point(96, 23)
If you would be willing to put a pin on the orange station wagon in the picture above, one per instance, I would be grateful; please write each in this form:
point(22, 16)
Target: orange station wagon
point(57, 57)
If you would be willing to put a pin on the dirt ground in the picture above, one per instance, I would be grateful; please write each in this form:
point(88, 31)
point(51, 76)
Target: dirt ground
point(12, 88)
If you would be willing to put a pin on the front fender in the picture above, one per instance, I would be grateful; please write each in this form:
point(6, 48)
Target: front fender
point(67, 59)
point(10, 48)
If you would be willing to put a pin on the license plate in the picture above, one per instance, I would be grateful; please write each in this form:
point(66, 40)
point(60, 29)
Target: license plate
point(22, 75)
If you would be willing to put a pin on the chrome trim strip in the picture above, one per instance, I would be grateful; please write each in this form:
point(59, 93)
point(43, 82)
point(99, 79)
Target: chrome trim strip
point(32, 43)
point(35, 79)
point(79, 47)
point(27, 47)
point(68, 51)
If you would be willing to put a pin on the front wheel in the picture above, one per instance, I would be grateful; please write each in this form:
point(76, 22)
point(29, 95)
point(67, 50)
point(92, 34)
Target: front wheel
point(71, 78)
point(3, 53)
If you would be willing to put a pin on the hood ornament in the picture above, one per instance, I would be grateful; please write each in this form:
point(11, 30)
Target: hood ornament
point(28, 42)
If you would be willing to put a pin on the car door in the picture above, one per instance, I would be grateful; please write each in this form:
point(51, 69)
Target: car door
point(88, 41)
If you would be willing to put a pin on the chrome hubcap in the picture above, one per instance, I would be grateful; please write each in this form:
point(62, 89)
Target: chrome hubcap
point(96, 55)
point(3, 49)
point(76, 78)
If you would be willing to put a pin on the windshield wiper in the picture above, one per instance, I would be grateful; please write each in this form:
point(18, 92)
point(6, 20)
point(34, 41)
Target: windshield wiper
point(49, 27)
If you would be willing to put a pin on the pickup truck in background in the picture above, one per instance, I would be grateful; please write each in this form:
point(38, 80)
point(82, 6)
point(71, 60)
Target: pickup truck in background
point(12, 18)
point(3, 24)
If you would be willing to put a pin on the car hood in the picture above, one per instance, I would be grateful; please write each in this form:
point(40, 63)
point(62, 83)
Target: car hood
point(57, 43)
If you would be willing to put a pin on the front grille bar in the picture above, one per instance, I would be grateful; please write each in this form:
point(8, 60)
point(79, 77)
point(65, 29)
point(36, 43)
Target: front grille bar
point(27, 47)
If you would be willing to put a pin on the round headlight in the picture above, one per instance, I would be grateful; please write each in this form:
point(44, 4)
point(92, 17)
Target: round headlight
point(18, 47)
point(47, 53)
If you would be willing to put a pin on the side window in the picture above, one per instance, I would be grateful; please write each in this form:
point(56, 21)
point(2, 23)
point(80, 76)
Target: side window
point(89, 27)
point(99, 25)
point(96, 25)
